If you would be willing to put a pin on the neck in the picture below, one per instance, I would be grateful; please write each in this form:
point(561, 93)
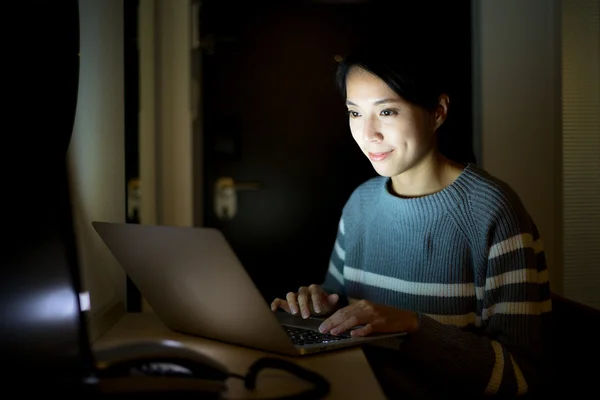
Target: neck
point(430, 175)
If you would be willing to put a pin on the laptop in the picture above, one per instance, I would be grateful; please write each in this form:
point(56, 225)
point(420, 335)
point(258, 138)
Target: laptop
point(196, 285)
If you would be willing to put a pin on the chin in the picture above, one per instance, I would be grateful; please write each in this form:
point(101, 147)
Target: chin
point(385, 171)
point(390, 169)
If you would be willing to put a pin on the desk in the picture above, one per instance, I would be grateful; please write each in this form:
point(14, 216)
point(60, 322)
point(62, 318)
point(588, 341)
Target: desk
point(347, 370)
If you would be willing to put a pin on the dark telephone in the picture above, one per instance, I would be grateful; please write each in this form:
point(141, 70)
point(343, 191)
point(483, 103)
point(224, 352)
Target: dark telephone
point(166, 368)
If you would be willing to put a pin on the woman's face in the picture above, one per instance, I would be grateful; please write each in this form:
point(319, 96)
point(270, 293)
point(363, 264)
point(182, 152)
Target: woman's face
point(394, 134)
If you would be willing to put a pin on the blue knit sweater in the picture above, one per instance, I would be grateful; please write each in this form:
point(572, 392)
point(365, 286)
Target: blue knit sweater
point(468, 259)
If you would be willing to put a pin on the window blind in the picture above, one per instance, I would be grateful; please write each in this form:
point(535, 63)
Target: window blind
point(581, 150)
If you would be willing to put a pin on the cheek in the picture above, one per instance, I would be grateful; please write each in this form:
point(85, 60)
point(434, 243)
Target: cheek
point(406, 130)
point(356, 131)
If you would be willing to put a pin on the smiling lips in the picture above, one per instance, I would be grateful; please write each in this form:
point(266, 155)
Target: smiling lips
point(379, 156)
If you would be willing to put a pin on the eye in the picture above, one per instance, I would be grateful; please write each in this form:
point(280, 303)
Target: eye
point(388, 112)
point(353, 114)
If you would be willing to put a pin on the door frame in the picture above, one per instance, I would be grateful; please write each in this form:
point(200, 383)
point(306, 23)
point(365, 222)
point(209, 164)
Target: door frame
point(168, 112)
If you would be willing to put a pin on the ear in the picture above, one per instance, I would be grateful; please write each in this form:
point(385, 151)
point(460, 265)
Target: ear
point(441, 111)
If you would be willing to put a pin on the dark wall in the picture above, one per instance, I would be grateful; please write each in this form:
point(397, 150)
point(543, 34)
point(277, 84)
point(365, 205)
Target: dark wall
point(42, 332)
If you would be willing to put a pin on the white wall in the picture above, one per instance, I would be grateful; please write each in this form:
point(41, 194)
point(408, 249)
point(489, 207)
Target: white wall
point(96, 155)
point(518, 108)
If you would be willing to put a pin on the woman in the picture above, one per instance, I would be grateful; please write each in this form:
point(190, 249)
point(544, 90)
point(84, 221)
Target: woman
point(442, 251)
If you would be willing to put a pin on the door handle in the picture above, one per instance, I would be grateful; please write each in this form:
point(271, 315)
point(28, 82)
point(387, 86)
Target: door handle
point(225, 201)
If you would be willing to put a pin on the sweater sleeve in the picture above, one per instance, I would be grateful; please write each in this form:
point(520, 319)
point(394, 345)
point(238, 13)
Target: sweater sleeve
point(334, 278)
point(507, 352)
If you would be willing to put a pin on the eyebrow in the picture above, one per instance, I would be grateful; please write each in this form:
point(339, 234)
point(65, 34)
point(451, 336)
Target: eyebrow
point(378, 102)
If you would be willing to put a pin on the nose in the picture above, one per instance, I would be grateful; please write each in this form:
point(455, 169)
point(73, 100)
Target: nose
point(371, 131)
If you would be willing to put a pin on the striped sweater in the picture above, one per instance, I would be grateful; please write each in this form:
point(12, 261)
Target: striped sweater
point(469, 260)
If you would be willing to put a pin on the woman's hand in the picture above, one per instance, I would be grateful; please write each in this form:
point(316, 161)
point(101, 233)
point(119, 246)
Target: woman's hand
point(376, 318)
point(308, 301)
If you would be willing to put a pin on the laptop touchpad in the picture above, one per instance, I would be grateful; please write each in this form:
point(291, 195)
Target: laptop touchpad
point(299, 322)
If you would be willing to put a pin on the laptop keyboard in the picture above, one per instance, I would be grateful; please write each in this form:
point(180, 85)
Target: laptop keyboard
point(305, 336)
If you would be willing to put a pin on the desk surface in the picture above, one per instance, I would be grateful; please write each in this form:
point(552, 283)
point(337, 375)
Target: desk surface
point(347, 370)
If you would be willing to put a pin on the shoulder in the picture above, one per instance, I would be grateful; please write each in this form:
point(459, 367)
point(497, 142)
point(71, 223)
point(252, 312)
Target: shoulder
point(494, 202)
point(363, 201)
point(365, 194)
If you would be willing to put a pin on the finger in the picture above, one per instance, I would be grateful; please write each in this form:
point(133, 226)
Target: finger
point(275, 305)
point(336, 319)
point(346, 325)
point(292, 302)
point(332, 299)
point(315, 294)
point(303, 302)
point(364, 331)
point(280, 303)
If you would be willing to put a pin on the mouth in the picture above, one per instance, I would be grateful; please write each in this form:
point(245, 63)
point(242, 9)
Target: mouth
point(379, 156)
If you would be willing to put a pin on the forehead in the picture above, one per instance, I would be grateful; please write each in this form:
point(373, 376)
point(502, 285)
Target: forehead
point(362, 85)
